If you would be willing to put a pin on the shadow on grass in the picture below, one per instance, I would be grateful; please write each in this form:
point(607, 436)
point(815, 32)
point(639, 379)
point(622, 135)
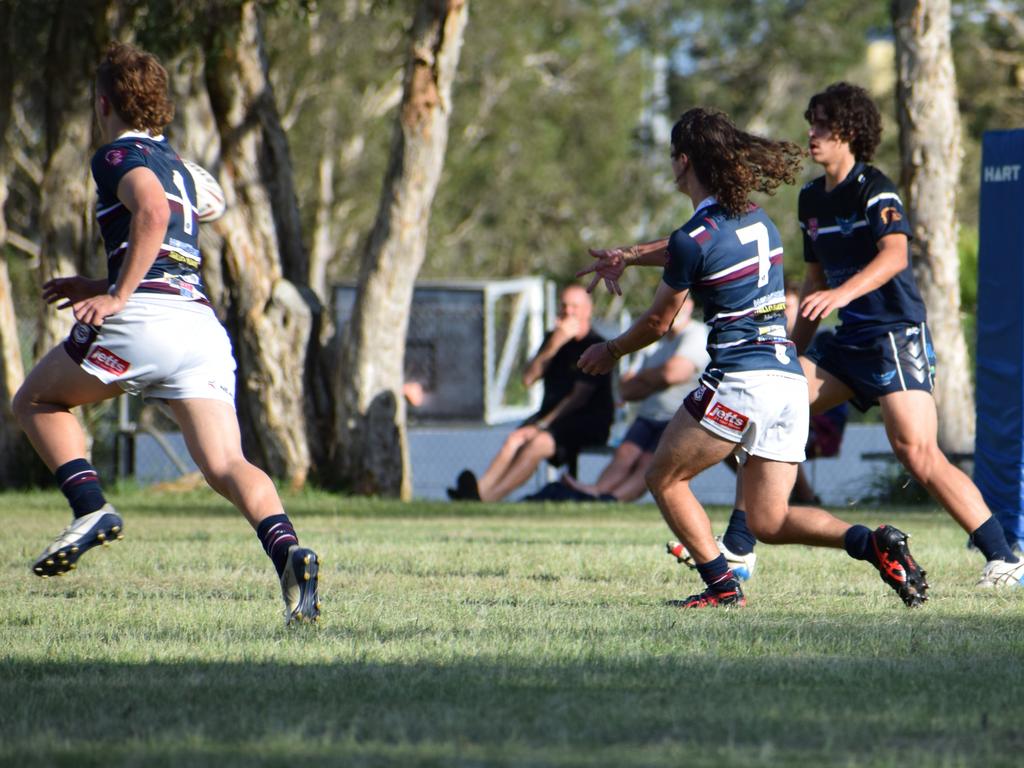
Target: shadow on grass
point(697, 710)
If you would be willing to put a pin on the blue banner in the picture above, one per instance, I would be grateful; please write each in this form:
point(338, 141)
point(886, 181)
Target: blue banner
point(999, 449)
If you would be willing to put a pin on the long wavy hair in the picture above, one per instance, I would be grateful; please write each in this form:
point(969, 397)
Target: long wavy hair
point(732, 163)
point(852, 116)
point(136, 84)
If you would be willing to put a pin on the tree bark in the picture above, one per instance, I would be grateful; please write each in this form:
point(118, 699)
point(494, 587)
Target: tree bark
point(269, 316)
point(931, 154)
point(12, 373)
point(371, 455)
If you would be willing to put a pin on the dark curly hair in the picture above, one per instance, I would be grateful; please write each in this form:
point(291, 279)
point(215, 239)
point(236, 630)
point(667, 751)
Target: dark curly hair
point(732, 163)
point(852, 117)
point(136, 84)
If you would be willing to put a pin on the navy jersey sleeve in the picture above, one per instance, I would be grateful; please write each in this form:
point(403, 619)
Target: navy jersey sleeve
point(684, 261)
point(806, 226)
point(111, 163)
point(883, 208)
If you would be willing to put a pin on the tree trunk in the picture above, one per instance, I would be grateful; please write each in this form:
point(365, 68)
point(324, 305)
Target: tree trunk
point(931, 152)
point(12, 442)
point(371, 455)
point(269, 316)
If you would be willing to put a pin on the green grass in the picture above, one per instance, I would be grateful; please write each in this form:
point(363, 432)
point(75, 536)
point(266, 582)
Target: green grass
point(490, 635)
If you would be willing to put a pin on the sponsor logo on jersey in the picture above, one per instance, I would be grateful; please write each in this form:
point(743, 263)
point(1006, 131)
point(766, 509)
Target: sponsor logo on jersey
point(115, 156)
point(890, 214)
point(883, 379)
point(846, 225)
point(728, 418)
point(103, 358)
point(812, 229)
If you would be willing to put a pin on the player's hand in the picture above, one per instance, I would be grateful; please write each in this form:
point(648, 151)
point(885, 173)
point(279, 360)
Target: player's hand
point(93, 311)
point(820, 304)
point(72, 290)
point(596, 359)
point(609, 265)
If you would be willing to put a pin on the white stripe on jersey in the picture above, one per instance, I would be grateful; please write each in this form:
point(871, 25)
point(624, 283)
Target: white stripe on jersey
point(108, 209)
point(837, 228)
point(697, 231)
point(883, 196)
point(724, 315)
point(181, 202)
point(737, 267)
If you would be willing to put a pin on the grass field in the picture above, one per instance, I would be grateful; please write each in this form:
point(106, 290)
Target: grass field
point(490, 635)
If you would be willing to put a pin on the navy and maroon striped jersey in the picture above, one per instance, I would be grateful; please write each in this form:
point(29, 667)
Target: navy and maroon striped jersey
point(176, 269)
point(733, 265)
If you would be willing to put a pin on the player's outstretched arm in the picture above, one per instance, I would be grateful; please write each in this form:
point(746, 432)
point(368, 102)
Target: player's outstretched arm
point(610, 263)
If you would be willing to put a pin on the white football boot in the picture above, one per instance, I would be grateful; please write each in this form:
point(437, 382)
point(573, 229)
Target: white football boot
point(741, 565)
point(999, 573)
point(97, 528)
point(299, 585)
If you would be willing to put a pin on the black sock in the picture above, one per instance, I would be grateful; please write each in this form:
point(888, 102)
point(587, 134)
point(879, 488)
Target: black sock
point(716, 574)
point(79, 482)
point(991, 540)
point(737, 537)
point(277, 535)
point(858, 545)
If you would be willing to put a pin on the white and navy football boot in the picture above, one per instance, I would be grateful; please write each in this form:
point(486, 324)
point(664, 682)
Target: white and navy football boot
point(299, 581)
point(94, 529)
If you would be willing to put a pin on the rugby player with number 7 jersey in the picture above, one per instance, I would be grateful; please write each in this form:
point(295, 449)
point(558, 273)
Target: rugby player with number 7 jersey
point(147, 328)
point(751, 401)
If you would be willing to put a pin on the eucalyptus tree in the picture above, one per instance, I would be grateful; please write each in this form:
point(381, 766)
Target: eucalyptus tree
point(931, 152)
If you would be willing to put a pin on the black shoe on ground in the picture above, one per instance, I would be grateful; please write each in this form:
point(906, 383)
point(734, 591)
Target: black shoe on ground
point(466, 486)
point(897, 567)
point(731, 597)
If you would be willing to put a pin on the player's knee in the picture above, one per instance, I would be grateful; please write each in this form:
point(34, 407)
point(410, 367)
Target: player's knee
point(766, 529)
point(920, 459)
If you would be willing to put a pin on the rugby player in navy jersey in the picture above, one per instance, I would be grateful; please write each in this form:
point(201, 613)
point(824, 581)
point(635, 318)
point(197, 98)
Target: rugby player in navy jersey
point(752, 398)
point(856, 236)
point(147, 328)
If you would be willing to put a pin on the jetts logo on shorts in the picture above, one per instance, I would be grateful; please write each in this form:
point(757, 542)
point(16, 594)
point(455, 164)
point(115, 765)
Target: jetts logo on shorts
point(728, 418)
point(103, 358)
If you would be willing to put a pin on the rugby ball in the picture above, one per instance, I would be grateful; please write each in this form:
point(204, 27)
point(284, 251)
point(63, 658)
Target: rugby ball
point(209, 195)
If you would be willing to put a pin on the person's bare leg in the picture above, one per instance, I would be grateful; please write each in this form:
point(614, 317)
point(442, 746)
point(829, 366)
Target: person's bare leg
point(767, 485)
point(911, 424)
point(635, 485)
point(524, 464)
point(685, 450)
point(824, 390)
point(803, 491)
point(44, 401)
point(617, 470)
point(210, 429)
point(505, 456)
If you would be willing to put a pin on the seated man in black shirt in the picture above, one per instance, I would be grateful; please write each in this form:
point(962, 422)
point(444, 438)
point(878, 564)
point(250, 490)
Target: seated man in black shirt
point(577, 409)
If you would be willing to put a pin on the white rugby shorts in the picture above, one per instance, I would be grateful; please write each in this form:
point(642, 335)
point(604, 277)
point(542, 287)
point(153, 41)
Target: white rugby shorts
point(765, 412)
point(160, 347)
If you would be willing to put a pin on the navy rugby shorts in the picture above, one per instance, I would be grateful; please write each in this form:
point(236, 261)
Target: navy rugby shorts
point(897, 361)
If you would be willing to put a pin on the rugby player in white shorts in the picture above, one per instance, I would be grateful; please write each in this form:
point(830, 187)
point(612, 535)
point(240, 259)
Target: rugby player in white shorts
point(148, 328)
point(752, 398)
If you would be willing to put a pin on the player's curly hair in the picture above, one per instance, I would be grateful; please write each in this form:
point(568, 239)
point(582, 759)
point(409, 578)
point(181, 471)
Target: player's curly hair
point(136, 84)
point(732, 163)
point(852, 117)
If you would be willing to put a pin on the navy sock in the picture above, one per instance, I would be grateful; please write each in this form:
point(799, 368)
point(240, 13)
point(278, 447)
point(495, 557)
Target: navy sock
point(857, 544)
point(79, 482)
point(716, 574)
point(738, 537)
point(277, 535)
point(991, 540)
